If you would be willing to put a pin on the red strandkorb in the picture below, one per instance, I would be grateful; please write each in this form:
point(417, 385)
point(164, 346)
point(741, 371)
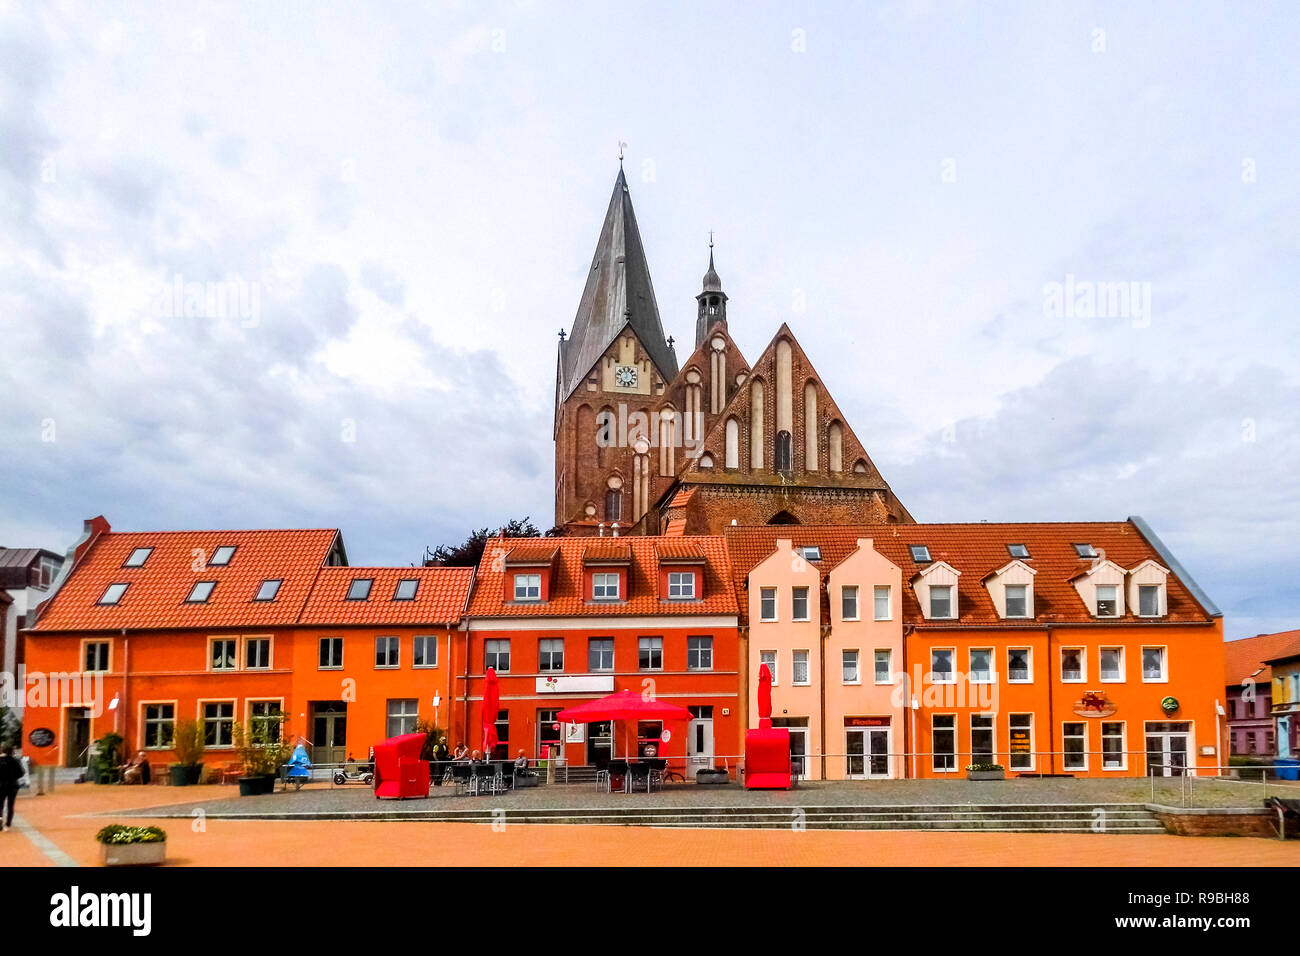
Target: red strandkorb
point(569, 620)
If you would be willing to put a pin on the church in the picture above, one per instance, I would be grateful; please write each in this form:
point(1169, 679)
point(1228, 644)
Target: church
point(645, 444)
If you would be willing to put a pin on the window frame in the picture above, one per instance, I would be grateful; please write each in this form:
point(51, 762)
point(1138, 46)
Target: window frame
point(847, 654)
point(794, 667)
point(257, 639)
point(207, 595)
point(415, 589)
point(1123, 745)
point(1101, 665)
point(847, 591)
point(992, 673)
point(201, 705)
point(600, 651)
point(952, 664)
point(1083, 754)
point(1032, 755)
point(600, 580)
point(1006, 602)
point(1164, 663)
point(645, 645)
point(236, 657)
point(429, 641)
point(391, 642)
point(130, 563)
point(1159, 594)
point(212, 562)
point(145, 723)
point(888, 590)
point(352, 585)
point(546, 652)
point(696, 652)
point(89, 642)
point(527, 577)
point(117, 599)
point(934, 750)
point(278, 582)
point(763, 595)
point(1083, 665)
point(771, 666)
point(795, 592)
point(389, 716)
point(320, 647)
point(1096, 601)
point(684, 593)
point(952, 602)
point(875, 665)
point(1029, 664)
point(492, 646)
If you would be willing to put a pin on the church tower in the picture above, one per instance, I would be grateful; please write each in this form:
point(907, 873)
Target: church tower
point(712, 302)
point(611, 369)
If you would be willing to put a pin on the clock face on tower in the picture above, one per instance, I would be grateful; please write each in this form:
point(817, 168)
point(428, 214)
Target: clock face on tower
point(625, 376)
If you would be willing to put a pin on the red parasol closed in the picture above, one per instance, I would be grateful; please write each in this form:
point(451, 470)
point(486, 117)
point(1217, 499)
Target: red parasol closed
point(764, 698)
point(491, 705)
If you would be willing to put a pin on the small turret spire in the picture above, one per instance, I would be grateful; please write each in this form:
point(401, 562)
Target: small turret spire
point(712, 301)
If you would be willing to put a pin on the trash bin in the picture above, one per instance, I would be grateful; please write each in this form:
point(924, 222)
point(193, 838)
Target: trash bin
point(1288, 768)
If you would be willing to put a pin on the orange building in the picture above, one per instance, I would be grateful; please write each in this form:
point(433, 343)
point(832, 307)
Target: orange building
point(147, 628)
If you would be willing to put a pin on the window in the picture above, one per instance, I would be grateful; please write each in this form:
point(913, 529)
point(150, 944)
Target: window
point(113, 593)
point(219, 723)
point(768, 658)
point(257, 653)
point(496, 655)
point(1019, 665)
point(681, 585)
point(941, 601)
point(548, 731)
point(388, 651)
point(883, 601)
point(1085, 550)
point(699, 653)
point(600, 654)
point(941, 665)
point(849, 602)
point(799, 675)
point(266, 716)
point(1112, 664)
point(402, 715)
point(159, 725)
point(137, 558)
point(783, 455)
point(884, 665)
point(1153, 664)
point(1148, 600)
point(424, 651)
point(604, 586)
point(812, 553)
point(359, 589)
point(920, 553)
point(407, 589)
point(528, 587)
point(613, 505)
point(981, 738)
point(96, 656)
point(221, 557)
point(1107, 600)
point(1112, 746)
point(1075, 739)
point(981, 665)
point(331, 653)
point(767, 604)
point(650, 653)
point(1072, 669)
point(550, 654)
point(1017, 600)
point(224, 654)
point(943, 744)
point(1019, 551)
point(503, 736)
point(1022, 742)
point(849, 667)
point(799, 604)
point(268, 590)
point(200, 593)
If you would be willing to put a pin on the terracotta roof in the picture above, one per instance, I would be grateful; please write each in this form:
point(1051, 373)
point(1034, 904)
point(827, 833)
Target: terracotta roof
point(529, 551)
point(676, 526)
point(156, 591)
point(440, 596)
point(976, 549)
point(566, 594)
point(1245, 658)
point(608, 549)
point(682, 498)
point(679, 548)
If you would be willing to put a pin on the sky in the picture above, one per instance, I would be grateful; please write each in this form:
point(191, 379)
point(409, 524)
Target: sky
point(305, 264)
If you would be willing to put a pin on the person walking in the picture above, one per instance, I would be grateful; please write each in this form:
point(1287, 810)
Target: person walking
point(11, 771)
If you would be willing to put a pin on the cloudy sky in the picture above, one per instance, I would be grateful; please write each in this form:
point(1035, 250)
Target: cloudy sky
point(403, 204)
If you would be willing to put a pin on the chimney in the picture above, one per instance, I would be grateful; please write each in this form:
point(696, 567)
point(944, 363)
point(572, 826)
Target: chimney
point(614, 528)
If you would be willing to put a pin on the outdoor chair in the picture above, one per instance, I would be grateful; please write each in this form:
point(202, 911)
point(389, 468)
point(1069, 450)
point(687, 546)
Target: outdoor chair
point(618, 768)
point(460, 776)
point(657, 768)
point(639, 775)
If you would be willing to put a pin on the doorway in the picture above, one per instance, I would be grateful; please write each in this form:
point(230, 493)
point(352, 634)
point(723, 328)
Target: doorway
point(868, 753)
point(600, 743)
point(798, 727)
point(699, 741)
point(77, 751)
point(329, 731)
point(1168, 743)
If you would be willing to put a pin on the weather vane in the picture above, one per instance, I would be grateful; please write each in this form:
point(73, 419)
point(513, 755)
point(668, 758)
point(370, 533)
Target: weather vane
point(621, 146)
point(710, 238)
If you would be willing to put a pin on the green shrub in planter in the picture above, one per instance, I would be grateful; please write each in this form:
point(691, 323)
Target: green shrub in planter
point(263, 751)
point(131, 846)
point(188, 741)
point(986, 771)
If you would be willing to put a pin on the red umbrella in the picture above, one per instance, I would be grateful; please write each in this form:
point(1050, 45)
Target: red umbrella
point(622, 705)
point(491, 704)
point(764, 698)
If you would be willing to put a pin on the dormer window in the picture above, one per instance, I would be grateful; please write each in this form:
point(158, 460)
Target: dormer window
point(359, 589)
point(200, 593)
point(137, 558)
point(1084, 550)
point(941, 601)
point(920, 553)
point(681, 585)
point(1149, 600)
point(269, 589)
point(221, 557)
point(812, 554)
point(113, 593)
point(1017, 600)
point(604, 585)
point(406, 590)
point(528, 587)
point(1108, 600)
point(1018, 551)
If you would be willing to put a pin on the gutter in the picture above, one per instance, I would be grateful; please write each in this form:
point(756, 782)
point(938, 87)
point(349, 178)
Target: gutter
point(1175, 566)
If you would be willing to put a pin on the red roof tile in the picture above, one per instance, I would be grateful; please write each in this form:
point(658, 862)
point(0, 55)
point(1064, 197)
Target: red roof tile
point(440, 596)
point(567, 598)
point(975, 550)
point(676, 526)
point(607, 550)
point(679, 549)
point(1245, 658)
point(529, 551)
point(156, 592)
point(683, 497)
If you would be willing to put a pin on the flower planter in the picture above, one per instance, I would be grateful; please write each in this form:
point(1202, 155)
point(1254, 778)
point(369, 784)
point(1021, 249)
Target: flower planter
point(257, 786)
point(183, 776)
point(133, 854)
point(712, 778)
point(523, 782)
point(986, 775)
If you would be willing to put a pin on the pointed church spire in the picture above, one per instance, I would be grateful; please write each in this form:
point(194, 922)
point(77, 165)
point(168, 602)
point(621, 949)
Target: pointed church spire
point(618, 293)
point(712, 301)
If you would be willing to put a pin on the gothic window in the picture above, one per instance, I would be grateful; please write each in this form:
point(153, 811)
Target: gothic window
point(733, 443)
point(613, 505)
point(835, 446)
point(782, 451)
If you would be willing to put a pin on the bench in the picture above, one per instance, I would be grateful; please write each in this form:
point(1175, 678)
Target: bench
point(1285, 810)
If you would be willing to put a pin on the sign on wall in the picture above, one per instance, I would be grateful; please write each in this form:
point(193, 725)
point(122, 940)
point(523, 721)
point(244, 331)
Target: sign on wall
point(575, 733)
point(41, 737)
point(576, 684)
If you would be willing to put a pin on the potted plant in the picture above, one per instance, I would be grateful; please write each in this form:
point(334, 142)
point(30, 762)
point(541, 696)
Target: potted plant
point(106, 757)
point(712, 776)
point(188, 741)
point(986, 771)
point(131, 846)
point(263, 751)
